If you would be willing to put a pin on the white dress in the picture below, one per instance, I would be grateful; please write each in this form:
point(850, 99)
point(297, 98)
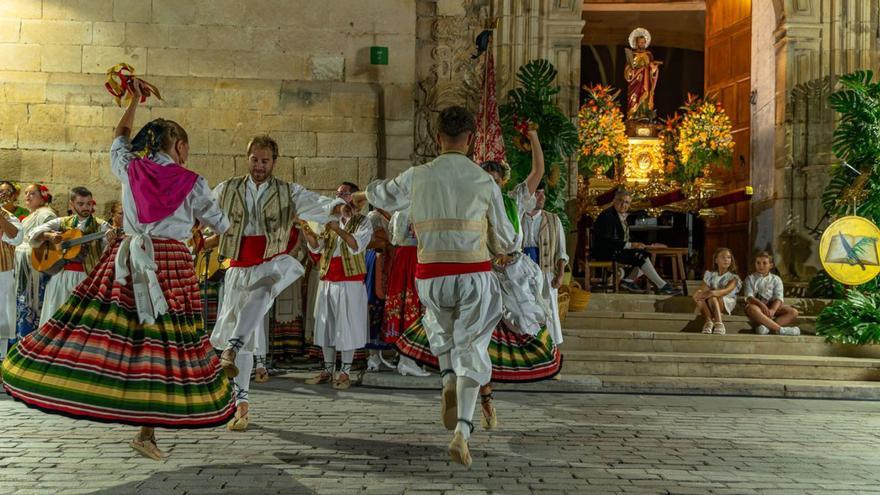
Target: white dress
point(7, 286)
point(525, 309)
point(715, 282)
point(341, 307)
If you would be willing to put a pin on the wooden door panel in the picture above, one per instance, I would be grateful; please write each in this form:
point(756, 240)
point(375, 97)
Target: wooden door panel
point(728, 69)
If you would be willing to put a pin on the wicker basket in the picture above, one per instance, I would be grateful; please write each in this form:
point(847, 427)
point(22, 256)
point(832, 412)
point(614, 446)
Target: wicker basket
point(562, 301)
point(578, 298)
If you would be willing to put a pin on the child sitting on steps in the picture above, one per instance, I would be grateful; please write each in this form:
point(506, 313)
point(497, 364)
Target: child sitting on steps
point(718, 291)
point(764, 303)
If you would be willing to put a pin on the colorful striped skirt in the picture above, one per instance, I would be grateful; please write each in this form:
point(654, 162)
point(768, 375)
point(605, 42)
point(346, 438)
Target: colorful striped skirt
point(94, 360)
point(515, 357)
point(402, 306)
point(286, 340)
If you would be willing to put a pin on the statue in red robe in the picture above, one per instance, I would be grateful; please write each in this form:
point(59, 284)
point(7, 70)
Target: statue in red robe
point(641, 73)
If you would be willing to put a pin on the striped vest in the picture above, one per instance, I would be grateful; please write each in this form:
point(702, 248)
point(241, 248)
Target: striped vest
point(90, 253)
point(353, 264)
point(279, 214)
point(548, 241)
point(7, 255)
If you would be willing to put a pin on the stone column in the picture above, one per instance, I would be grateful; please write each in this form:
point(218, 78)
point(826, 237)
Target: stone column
point(815, 42)
point(550, 29)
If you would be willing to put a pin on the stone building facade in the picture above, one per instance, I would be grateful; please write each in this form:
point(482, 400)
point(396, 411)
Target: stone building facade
point(232, 68)
point(227, 70)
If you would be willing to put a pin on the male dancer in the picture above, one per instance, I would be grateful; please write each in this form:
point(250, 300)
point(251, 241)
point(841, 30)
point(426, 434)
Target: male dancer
point(458, 215)
point(341, 303)
point(544, 242)
point(262, 210)
point(61, 285)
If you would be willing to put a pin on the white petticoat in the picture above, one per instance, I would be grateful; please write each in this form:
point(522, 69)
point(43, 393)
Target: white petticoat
point(522, 285)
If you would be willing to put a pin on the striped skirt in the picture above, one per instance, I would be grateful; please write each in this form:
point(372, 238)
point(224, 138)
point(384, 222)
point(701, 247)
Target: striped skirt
point(515, 357)
point(94, 360)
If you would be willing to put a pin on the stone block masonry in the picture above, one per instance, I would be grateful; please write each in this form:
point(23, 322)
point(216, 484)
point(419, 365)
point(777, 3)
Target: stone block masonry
point(228, 70)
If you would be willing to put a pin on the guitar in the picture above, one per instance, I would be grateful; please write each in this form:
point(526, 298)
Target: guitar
point(50, 258)
point(207, 263)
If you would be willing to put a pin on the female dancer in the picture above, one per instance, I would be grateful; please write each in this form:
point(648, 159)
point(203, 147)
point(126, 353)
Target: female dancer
point(129, 345)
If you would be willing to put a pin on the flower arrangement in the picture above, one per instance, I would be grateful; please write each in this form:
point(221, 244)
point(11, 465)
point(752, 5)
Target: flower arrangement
point(704, 138)
point(601, 130)
point(669, 134)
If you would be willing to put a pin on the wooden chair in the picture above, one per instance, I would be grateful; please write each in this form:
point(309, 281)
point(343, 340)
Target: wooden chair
point(603, 267)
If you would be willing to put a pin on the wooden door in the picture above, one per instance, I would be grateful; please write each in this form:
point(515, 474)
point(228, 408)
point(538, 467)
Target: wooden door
point(727, 76)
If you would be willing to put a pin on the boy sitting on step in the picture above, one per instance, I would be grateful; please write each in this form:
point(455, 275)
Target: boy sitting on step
point(764, 303)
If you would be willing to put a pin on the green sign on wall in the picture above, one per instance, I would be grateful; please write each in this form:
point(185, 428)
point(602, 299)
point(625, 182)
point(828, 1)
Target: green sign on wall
point(378, 55)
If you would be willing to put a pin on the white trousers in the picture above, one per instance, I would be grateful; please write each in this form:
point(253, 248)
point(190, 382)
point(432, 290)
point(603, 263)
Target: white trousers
point(341, 318)
point(551, 295)
point(7, 306)
point(58, 289)
point(461, 311)
point(248, 293)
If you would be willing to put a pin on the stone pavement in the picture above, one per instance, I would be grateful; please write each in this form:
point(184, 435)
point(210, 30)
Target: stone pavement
point(315, 440)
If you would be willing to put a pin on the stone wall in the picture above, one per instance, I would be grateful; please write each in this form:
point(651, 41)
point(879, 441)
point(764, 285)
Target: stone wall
point(228, 69)
point(814, 41)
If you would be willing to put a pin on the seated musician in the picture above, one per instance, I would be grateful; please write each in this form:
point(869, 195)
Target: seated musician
point(61, 285)
point(610, 242)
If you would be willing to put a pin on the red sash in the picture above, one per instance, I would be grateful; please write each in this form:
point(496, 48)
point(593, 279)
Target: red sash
point(252, 248)
point(74, 266)
point(336, 272)
point(434, 270)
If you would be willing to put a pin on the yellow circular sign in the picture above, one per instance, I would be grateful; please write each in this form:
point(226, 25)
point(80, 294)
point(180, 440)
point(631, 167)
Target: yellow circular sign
point(848, 250)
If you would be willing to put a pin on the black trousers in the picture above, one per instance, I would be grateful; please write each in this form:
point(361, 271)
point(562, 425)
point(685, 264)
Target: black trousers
point(628, 257)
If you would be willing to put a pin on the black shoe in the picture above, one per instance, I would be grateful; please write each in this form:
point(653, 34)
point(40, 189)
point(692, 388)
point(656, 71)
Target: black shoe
point(669, 290)
point(631, 287)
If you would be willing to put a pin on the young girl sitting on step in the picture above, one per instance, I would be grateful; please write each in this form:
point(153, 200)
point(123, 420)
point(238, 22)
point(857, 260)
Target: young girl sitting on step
point(718, 291)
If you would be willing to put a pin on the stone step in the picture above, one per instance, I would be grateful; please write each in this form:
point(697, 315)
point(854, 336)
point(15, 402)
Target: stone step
point(571, 382)
point(712, 365)
point(682, 342)
point(663, 322)
point(650, 303)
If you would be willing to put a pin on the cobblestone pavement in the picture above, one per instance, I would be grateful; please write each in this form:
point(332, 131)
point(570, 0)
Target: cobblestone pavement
point(315, 440)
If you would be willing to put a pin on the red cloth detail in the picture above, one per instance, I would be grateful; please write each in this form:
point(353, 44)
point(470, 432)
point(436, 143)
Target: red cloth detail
point(336, 272)
point(158, 190)
point(74, 266)
point(252, 248)
point(489, 144)
point(434, 270)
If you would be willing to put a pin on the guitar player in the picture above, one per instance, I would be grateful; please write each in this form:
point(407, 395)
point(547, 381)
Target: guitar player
point(61, 285)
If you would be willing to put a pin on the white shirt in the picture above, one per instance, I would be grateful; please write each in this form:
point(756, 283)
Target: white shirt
point(362, 236)
point(135, 254)
point(531, 226)
point(402, 233)
point(14, 241)
point(54, 225)
point(765, 288)
point(394, 195)
point(377, 221)
point(199, 203)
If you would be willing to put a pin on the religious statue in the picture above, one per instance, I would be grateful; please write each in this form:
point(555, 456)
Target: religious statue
point(641, 74)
